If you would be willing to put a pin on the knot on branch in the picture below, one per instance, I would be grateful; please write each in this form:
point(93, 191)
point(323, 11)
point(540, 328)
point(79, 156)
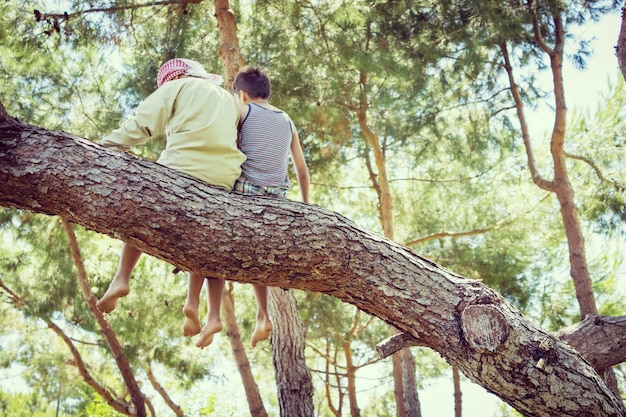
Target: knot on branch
point(484, 327)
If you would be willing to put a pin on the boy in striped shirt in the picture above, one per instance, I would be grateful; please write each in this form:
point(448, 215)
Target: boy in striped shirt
point(267, 137)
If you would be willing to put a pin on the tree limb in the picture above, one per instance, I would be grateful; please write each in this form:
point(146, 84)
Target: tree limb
point(599, 339)
point(136, 395)
point(159, 388)
point(112, 9)
point(519, 105)
point(594, 166)
point(289, 244)
point(120, 406)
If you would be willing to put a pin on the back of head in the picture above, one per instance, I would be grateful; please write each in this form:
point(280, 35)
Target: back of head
point(253, 81)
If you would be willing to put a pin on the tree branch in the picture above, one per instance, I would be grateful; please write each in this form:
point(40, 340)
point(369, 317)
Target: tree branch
point(159, 388)
point(122, 407)
point(290, 244)
point(618, 186)
point(114, 345)
point(519, 105)
point(474, 232)
point(599, 339)
point(66, 16)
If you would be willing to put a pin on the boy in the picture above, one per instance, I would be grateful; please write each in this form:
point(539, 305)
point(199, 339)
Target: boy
point(200, 122)
point(267, 137)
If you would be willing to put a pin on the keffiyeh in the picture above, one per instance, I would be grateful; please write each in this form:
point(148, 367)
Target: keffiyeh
point(180, 66)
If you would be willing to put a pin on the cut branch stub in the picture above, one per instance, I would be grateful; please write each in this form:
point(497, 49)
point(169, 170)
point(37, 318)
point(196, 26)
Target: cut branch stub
point(484, 327)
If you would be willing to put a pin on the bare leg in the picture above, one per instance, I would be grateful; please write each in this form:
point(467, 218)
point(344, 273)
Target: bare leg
point(263, 323)
point(213, 325)
point(191, 326)
point(120, 287)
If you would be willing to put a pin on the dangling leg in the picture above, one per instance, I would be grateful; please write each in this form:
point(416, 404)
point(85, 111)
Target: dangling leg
point(215, 288)
point(263, 323)
point(120, 287)
point(191, 326)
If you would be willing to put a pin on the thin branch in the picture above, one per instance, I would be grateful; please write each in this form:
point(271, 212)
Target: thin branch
point(537, 31)
point(114, 344)
point(519, 104)
point(120, 406)
point(66, 16)
point(15, 299)
point(159, 388)
point(474, 232)
point(617, 185)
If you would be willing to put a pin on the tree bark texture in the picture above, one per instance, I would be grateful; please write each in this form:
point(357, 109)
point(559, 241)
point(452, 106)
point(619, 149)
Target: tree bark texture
point(289, 244)
point(293, 378)
point(410, 398)
point(229, 43)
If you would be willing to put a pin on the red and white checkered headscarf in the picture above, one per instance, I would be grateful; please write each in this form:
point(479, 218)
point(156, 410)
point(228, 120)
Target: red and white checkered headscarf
point(180, 66)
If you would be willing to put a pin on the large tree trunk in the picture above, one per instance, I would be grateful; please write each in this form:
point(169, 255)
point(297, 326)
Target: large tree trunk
point(289, 244)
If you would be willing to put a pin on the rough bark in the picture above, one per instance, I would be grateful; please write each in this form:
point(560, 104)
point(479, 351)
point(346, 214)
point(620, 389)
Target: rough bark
point(293, 378)
point(411, 404)
point(600, 340)
point(229, 43)
point(293, 245)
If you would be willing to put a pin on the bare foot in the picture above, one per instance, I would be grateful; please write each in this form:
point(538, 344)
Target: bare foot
point(108, 302)
point(261, 332)
point(191, 326)
point(210, 329)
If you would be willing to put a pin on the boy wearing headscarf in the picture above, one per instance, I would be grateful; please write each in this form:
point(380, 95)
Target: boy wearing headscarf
point(199, 119)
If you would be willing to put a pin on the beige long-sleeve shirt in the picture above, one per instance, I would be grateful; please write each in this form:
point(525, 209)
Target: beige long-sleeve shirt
point(200, 122)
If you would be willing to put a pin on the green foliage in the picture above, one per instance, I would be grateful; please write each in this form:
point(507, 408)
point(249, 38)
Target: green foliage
point(597, 153)
point(25, 405)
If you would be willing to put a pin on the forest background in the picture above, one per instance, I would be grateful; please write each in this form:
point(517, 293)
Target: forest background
point(455, 162)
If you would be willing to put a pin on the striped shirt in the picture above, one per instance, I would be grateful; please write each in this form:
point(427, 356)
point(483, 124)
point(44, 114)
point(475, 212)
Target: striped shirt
point(265, 138)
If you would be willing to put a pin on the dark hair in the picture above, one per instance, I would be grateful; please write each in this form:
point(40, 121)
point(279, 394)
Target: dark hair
point(253, 81)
